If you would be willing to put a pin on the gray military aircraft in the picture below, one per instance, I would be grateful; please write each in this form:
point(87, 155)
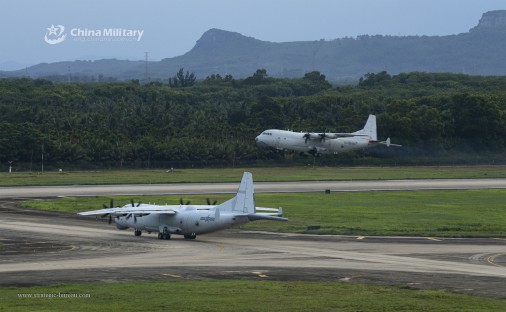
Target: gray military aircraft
point(315, 143)
point(190, 220)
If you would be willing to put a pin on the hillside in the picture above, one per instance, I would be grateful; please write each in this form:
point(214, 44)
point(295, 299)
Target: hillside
point(478, 51)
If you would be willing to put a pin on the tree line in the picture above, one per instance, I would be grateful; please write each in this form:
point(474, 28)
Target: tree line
point(216, 119)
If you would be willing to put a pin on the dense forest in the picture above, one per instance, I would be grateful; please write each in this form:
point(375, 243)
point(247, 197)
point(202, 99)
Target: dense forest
point(437, 117)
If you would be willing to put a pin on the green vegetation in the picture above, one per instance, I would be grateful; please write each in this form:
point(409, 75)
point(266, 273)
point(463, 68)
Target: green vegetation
point(416, 213)
point(260, 175)
point(438, 118)
point(242, 295)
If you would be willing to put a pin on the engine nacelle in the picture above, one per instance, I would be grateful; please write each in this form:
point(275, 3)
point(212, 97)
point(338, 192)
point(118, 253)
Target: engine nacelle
point(121, 227)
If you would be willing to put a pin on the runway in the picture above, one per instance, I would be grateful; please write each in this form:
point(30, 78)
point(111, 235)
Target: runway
point(40, 248)
point(260, 187)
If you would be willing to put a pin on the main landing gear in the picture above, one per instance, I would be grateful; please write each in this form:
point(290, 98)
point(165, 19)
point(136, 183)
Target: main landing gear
point(137, 232)
point(190, 236)
point(163, 236)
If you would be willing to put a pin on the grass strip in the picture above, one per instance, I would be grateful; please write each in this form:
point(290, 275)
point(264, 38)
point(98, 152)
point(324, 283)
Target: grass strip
point(443, 213)
point(238, 295)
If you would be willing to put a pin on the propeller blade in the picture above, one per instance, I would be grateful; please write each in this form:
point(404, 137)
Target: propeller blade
point(110, 219)
point(322, 137)
point(187, 203)
point(208, 201)
point(128, 216)
point(215, 202)
point(181, 201)
point(105, 206)
point(306, 137)
point(132, 202)
point(139, 204)
point(111, 203)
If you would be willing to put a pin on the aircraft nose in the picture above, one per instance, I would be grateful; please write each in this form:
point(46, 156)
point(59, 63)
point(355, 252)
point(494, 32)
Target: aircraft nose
point(259, 142)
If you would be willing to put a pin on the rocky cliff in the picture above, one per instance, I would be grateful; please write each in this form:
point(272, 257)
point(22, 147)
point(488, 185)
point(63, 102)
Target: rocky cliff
point(492, 21)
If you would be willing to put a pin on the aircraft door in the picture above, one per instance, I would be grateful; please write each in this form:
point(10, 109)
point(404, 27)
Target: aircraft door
point(278, 141)
point(188, 223)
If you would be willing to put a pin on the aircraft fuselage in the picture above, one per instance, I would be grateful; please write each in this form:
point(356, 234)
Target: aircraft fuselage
point(186, 222)
point(288, 140)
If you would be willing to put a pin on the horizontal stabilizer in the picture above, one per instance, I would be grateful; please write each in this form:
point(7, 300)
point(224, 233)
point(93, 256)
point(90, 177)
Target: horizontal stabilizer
point(388, 144)
point(258, 216)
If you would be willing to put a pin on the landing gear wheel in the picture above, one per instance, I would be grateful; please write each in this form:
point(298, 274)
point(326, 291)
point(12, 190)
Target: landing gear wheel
point(138, 233)
point(190, 236)
point(163, 236)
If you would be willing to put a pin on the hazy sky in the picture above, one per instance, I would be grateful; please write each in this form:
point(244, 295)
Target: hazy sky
point(171, 28)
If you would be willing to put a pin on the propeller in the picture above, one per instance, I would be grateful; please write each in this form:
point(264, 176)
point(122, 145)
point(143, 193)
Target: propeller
point(181, 202)
point(130, 215)
point(322, 137)
point(209, 202)
point(111, 205)
point(306, 137)
point(133, 204)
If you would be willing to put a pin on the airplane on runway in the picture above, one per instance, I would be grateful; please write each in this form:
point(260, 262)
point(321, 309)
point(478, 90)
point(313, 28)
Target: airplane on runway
point(191, 220)
point(315, 143)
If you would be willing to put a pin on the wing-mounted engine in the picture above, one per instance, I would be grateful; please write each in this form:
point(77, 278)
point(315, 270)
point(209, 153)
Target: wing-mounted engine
point(324, 136)
point(121, 227)
point(321, 137)
point(310, 136)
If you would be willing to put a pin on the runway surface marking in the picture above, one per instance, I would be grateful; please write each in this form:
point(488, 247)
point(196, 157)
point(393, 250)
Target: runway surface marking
point(491, 260)
point(434, 239)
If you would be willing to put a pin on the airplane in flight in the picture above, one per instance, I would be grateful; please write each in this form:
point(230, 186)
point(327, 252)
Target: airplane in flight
point(316, 143)
point(190, 220)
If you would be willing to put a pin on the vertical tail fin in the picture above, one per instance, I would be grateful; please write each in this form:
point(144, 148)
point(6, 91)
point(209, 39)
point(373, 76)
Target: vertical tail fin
point(369, 128)
point(244, 200)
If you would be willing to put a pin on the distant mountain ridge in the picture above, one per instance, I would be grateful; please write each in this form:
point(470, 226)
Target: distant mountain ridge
point(479, 51)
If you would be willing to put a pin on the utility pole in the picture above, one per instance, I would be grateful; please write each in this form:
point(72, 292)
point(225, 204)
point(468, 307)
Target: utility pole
point(146, 55)
point(42, 158)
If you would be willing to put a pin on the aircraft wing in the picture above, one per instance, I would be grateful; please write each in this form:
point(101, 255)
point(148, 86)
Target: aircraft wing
point(343, 135)
point(329, 135)
point(145, 209)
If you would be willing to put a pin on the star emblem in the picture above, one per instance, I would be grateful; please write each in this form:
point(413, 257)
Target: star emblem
point(53, 30)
